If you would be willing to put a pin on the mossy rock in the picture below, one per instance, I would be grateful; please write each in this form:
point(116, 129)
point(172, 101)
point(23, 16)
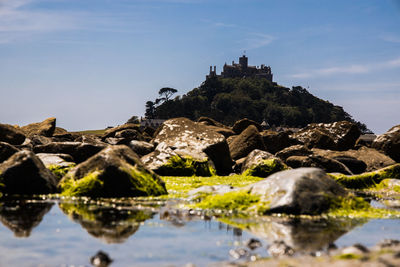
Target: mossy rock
point(368, 179)
point(266, 168)
point(186, 166)
point(116, 171)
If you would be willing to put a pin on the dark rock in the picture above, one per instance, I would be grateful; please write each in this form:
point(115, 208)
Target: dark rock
point(24, 174)
point(101, 259)
point(59, 131)
point(6, 151)
point(37, 140)
point(340, 135)
point(211, 122)
point(111, 132)
point(116, 171)
point(327, 164)
point(246, 142)
point(365, 140)
point(355, 166)
point(22, 216)
point(296, 150)
point(129, 134)
point(279, 249)
point(79, 151)
point(195, 140)
point(386, 243)
point(253, 243)
point(140, 147)
point(243, 124)
point(222, 130)
point(45, 128)
point(149, 131)
point(298, 191)
point(389, 143)
point(11, 134)
point(275, 141)
point(89, 139)
point(262, 164)
point(66, 137)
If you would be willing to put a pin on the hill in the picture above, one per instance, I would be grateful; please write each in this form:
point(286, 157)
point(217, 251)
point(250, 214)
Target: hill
point(230, 99)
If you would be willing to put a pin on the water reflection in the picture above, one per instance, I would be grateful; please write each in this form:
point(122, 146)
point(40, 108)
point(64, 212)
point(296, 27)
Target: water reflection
point(110, 224)
point(303, 235)
point(21, 216)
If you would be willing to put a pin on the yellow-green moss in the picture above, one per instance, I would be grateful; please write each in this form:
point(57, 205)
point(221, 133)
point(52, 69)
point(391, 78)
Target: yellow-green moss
point(144, 181)
point(384, 185)
point(348, 256)
point(89, 185)
point(186, 166)
point(368, 179)
point(266, 168)
point(178, 186)
point(60, 171)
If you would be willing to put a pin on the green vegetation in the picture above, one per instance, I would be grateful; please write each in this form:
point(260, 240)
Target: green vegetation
point(144, 182)
point(60, 171)
point(384, 186)
point(91, 132)
point(186, 166)
point(179, 186)
point(89, 185)
point(348, 256)
point(230, 99)
point(368, 179)
point(266, 168)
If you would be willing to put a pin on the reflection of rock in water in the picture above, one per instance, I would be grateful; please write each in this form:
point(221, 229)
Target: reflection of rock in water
point(112, 225)
point(23, 215)
point(303, 235)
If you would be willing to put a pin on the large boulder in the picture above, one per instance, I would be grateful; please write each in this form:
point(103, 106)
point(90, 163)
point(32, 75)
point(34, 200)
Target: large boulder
point(11, 134)
point(296, 150)
point(327, 164)
point(141, 147)
point(45, 128)
point(276, 141)
point(79, 151)
point(389, 143)
point(298, 191)
point(262, 164)
point(340, 135)
point(6, 151)
point(116, 171)
point(24, 174)
point(190, 139)
point(127, 126)
point(242, 125)
point(246, 142)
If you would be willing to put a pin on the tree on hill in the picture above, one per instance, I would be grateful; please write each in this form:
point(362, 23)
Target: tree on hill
point(166, 92)
point(230, 99)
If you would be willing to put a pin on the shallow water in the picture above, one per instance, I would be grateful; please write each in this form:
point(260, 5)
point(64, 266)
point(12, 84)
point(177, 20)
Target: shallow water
point(61, 233)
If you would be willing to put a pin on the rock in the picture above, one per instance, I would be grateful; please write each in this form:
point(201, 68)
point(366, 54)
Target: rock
point(149, 131)
point(239, 253)
point(373, 159)
point(129, 134)
point(356, 249)
point(296, 150)
point(101, 259)
point(114, 141)
point(279, 249)
point(24, 174)
point(298, 191)
point(6, 151)
point(141, 147)
point(89, 139)
point(59, 131)
point(387, 243)
point(37, 140)
point(166, 162)
point(389, 143)
point(253, 243)
point(45, 128)
point(243, 124)
point(211, 122)
point(365, 140)
point(275, 141)
point(262, 164)
point(246, 142)
point(11, 134)
point(195, 140)
point(116, 171)
point(79, 151)
point(111, 132)
point(55, 159)
point(327, 164)
point(340, 135)
point(210, 189)
point(224, 131)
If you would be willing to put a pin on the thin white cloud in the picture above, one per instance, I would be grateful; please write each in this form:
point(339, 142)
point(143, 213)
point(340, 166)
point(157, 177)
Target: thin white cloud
point(391, 38)
point(257, 40)
point(350, 69)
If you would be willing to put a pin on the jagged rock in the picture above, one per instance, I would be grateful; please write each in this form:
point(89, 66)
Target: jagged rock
point(246, 142)
point(188, 138)
point(389, 143)
point(6, 151)
point(373, 159)
point(79, 151)
point(340, 135)
point(275, 141)
point(45, 128)
point(243, 124)
point(24, 174)
point(141, 147)
point(11, 134)
point(262, 164)
point(37, 140)
point(59, 131)
point(111, 132)
point(296, 150)
point(298, 191)
point(327, 164)
point(116, 171)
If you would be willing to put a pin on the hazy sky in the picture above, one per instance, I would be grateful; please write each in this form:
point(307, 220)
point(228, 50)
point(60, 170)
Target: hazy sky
point(94, 63)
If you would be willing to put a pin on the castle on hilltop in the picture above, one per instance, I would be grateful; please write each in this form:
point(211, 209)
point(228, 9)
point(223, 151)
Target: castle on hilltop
point(242, 70)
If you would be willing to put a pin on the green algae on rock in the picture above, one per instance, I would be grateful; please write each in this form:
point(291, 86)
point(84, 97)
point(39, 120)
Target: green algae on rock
point(266, 168)
point(368, 179)
point(186, 166)
point(116, 171)
point(60, 170)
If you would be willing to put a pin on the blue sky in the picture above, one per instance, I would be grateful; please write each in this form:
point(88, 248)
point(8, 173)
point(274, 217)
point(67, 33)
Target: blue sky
point(94, 63)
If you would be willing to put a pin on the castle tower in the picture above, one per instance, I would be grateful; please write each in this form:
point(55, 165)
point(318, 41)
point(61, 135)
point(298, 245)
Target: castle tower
point(243, 61)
